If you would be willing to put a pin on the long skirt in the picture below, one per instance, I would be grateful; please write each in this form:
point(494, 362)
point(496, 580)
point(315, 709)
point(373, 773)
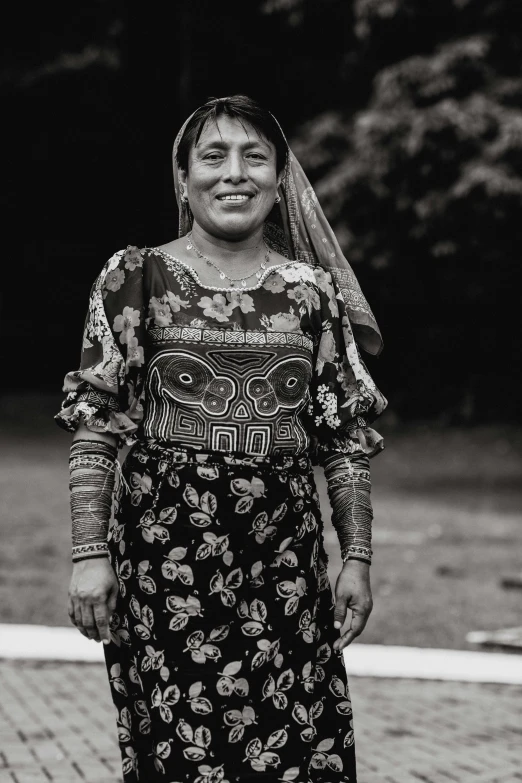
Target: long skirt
point(221, 661)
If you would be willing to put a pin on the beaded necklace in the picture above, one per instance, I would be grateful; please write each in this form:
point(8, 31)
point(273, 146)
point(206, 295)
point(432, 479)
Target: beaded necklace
point(223, 275)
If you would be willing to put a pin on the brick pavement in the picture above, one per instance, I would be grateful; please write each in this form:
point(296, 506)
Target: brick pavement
point(57, 724)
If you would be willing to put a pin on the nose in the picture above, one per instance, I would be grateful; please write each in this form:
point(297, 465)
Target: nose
point(236, 171)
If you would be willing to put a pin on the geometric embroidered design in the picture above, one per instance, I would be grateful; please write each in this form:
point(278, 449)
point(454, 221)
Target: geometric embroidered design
point(189, 423)
point(257, 439)
point(255, 338)
point(241, 411)
point(240, 360)
point(232, 399)
point(234, 338)
point(99, 399)
point(162, 334)
point(223, 437)
point(190, 381)
point(284, 428)
point(284, 386)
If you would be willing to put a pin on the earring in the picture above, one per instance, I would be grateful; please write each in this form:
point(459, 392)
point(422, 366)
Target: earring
point(184, 198)
point(277, 199)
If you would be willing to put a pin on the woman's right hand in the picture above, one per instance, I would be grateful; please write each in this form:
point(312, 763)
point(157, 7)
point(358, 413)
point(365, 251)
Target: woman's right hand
point(92, 597)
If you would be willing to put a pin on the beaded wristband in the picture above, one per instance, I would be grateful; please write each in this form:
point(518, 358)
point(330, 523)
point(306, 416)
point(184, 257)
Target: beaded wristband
point(92, 466)
point(348, 483)
point(353, 557)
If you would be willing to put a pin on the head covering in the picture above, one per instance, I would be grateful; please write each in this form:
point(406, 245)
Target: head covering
point(298, 229)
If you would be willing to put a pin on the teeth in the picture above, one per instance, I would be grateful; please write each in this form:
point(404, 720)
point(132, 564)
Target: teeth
point(234, 198)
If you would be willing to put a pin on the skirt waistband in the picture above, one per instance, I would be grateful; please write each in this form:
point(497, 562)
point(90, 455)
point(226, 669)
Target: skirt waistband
point(175, 454)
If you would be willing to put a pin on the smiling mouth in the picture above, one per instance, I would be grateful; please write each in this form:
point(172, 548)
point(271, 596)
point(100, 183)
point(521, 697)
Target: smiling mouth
point(234, 197)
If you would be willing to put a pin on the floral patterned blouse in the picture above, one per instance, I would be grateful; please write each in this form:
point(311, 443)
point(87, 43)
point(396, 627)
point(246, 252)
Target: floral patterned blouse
point(270, 369)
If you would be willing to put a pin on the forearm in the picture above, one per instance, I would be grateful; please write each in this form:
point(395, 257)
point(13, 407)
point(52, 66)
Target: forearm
point(84, 433)
point(92, 466)
point(349, 486)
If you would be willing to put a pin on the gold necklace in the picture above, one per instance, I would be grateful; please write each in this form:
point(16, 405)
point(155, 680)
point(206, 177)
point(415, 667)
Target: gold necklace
point(191, 246)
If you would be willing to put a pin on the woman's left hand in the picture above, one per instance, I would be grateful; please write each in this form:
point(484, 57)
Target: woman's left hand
point(352, 591)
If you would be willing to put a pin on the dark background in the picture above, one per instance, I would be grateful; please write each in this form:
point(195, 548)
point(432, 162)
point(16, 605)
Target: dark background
point(406, 116)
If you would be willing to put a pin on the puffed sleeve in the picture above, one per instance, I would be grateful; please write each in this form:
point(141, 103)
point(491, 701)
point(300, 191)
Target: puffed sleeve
point(105, 393)
point(344, 399)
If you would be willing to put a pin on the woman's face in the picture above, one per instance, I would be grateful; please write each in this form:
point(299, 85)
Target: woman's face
point(231, 183)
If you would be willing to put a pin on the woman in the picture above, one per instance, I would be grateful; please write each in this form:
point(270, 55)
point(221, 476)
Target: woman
point(227, 359)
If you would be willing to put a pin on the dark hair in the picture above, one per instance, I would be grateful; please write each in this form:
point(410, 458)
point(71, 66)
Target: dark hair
point(241, 108)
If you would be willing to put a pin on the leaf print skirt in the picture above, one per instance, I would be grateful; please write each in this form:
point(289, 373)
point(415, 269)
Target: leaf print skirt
point(221, 664)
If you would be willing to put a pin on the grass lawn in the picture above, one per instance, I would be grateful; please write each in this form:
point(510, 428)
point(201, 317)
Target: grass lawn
point(448, 526)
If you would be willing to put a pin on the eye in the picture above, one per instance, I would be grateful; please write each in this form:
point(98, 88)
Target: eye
point(185, 378)
point(213, 156)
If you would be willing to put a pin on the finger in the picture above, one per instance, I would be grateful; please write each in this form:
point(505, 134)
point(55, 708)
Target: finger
point(78, 622)
point(88, 621)
point(359, 620)
point(340, 612)
point(101, 618)
point(113, 600)
point(70, 611)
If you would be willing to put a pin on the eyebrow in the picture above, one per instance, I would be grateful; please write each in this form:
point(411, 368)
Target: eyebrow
point(220, 144)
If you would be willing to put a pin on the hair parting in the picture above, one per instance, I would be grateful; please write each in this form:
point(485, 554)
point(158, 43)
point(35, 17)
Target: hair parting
point(241, 108)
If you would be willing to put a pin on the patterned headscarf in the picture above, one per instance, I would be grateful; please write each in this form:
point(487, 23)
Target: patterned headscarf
point(298, 229)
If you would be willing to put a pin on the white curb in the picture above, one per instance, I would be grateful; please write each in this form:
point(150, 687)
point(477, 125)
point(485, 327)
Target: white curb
point(45, 643)
point(379, 660)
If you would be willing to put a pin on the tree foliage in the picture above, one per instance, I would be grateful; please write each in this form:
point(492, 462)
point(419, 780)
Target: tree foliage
point(423, 186)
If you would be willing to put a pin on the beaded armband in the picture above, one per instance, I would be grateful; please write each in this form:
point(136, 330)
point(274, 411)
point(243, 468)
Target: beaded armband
point(348, 483)
point(92, 465)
